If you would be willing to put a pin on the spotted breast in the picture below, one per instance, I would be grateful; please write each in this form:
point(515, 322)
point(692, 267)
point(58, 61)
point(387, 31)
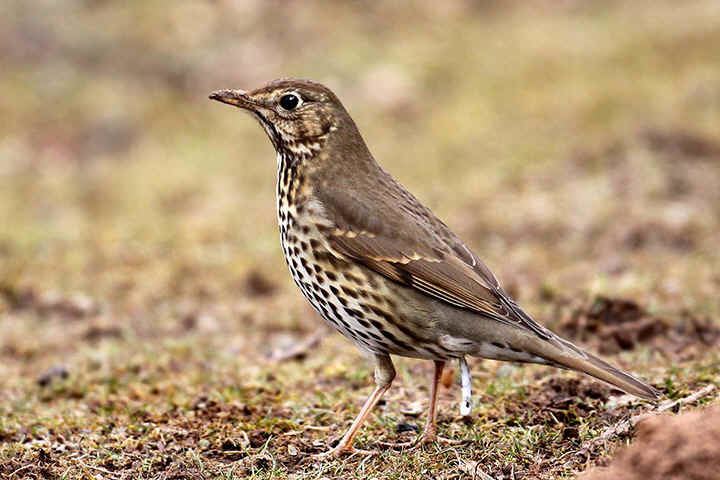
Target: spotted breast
point(354, 300)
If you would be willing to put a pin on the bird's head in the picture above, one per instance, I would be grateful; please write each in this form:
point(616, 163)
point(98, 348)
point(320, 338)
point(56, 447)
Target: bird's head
point(298, 115)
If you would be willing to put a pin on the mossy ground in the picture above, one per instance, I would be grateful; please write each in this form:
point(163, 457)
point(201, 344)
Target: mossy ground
point(575, 146)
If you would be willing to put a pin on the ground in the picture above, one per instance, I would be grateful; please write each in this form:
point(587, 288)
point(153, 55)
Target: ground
point(150, 329)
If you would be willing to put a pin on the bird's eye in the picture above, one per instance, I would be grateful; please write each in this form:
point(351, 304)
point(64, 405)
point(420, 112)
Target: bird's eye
point(290, 101)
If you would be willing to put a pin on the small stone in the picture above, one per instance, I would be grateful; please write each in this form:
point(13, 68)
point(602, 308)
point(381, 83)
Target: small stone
point(407, 427)
point(413, 409)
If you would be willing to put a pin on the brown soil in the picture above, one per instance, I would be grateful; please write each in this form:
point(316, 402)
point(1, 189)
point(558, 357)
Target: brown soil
point(684, 447)
point(610, 325)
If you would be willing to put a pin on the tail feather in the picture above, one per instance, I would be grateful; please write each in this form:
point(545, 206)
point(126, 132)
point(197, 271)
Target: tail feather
point(567, 355)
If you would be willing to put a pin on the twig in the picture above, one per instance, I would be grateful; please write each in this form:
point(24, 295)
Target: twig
point(703, 392)
point(21, 469)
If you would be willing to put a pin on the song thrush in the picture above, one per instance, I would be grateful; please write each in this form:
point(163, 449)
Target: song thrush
point(378, 265)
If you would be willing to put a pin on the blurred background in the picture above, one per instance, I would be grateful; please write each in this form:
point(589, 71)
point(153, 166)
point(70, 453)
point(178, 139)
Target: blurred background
point(574, 144)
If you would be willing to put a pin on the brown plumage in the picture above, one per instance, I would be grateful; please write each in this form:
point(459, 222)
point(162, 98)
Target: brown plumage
point(378, 265)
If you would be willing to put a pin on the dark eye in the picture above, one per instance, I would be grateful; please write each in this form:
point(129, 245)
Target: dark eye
point(290, 101)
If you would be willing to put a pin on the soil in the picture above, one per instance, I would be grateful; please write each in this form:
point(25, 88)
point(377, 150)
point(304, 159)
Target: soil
point(611, 325)
point(684, 447)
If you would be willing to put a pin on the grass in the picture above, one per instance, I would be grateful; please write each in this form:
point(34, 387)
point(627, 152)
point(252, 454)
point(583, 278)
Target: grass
point(574, 147)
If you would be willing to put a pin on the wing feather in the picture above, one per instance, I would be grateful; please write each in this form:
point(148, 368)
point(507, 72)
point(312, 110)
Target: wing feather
point(421, 252)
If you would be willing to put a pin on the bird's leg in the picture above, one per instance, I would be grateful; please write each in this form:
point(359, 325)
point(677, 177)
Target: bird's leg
point(384, 375)
point(430, 433)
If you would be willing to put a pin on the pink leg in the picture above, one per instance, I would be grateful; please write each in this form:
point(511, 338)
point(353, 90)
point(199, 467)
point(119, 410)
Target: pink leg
point(384, 375)
point(430, 433)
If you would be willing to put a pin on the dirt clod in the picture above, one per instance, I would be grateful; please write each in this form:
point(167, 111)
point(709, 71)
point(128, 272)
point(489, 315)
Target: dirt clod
point(684, 447)
point(610, 325)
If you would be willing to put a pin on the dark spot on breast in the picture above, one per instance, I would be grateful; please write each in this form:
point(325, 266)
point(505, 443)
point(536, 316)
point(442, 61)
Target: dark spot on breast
point(358, 313)
point(395, 340)
point(349, 292)
point(360, 319)
point(353, 278)
point(362, 334)
point(375, 336)
point(319, 299)
point(344, 323)
point(378, 325)
point(380, 312)
point(405, 345)
point(377, 298)
point(331, 276)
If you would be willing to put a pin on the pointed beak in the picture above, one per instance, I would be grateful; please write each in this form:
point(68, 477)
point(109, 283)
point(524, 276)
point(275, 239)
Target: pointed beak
point(238, 98)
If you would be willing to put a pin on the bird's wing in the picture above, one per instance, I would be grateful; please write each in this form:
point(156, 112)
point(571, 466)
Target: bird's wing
point(411, 246)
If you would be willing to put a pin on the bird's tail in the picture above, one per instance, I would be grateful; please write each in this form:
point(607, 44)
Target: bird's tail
point(566, 355)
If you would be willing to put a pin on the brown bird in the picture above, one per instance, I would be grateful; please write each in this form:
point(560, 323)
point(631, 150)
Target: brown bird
point(378, 265)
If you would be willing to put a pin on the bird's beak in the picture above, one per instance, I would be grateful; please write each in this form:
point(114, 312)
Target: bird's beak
point(238, 98)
